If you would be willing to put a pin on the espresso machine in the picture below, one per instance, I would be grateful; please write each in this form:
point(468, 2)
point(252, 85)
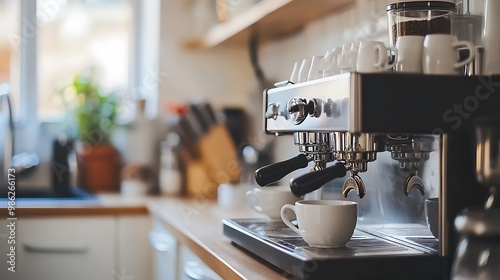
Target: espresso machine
point(388, 141)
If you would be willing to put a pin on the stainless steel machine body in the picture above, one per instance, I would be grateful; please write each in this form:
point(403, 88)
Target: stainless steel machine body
point(403, 137)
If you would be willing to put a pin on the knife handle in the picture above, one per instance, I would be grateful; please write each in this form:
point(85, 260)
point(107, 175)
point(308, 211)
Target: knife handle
point(273, 172)
point(314, 180)
point(202, 120)
point(211, 114)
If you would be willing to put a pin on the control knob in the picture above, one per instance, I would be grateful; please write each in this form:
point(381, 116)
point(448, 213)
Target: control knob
point(299, 108)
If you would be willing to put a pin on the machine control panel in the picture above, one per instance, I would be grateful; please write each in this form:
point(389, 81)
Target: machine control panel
point(320, 105)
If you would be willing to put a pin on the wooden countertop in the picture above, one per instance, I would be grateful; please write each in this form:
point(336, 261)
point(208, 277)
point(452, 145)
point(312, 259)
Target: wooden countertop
point(109, 204)
point(197, 224)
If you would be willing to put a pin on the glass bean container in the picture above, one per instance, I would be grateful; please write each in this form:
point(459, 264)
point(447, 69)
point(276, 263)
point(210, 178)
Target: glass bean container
point(419, 18)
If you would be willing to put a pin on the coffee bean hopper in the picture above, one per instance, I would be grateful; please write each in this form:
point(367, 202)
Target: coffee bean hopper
point(388, 141)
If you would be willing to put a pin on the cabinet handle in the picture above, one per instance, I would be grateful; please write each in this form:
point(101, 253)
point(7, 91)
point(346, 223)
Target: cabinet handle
point(195, 271)
point(78, 249)
point(160, 242)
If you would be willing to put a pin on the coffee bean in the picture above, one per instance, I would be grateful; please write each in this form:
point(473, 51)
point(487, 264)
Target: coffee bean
point(438, 25)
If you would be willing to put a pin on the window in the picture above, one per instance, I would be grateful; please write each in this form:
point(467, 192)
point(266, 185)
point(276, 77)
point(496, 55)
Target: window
point(9, 53)
point(44, 43)
point(75, 35)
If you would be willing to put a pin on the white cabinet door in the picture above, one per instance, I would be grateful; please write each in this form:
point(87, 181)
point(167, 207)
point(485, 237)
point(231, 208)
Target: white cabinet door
point(174, 260)
point(193, 268)
point(165, 252)
point(49, 248)
point(134, 254)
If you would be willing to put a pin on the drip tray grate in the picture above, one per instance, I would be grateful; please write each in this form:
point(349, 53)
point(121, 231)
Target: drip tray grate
point(274, 242)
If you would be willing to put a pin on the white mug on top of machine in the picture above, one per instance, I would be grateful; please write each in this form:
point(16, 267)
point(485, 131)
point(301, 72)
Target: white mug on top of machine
point(348, 57)
point(332, 62)
point(410, 50)
point(373, 57)
point(440, 55)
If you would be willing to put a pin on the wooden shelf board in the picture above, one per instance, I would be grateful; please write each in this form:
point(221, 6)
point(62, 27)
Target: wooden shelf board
point(269, 19)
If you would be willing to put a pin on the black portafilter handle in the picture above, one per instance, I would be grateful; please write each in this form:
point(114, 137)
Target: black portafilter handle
point(314, 180)
point(276, 171)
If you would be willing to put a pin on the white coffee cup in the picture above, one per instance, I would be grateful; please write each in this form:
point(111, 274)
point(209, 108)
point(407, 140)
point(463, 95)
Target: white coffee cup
point(440, 55)
point(348, 57)
point(303, 71)
point(332, 62)
point(232, 195)
point(269, 200)
point(323, 223)
point(410, 51)
point(316, 68)
point(432, 215)
point(373, 57)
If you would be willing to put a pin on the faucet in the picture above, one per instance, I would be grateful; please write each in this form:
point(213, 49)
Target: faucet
point(21, 162)
point(9, 136)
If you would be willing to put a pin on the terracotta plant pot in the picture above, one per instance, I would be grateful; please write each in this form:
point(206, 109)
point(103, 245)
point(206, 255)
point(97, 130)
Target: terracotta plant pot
point(98, 168)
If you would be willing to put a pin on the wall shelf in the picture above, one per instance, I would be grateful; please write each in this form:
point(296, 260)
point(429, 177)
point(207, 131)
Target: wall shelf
point(268, 19)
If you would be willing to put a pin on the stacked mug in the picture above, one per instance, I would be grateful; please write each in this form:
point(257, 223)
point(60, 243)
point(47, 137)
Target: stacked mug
point(436, 54)
point(362, 57)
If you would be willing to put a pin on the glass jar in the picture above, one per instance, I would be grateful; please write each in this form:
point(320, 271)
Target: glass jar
point(478, 252)
point(419, 18)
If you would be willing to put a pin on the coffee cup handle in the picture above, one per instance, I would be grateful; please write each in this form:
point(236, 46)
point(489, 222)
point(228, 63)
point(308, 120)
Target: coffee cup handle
point(472, 53)
point(381, 53)
point(252, 199)
point(286, 220)
point(394, 51)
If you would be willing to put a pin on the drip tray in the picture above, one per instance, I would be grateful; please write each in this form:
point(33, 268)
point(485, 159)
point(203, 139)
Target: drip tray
point(364, 255)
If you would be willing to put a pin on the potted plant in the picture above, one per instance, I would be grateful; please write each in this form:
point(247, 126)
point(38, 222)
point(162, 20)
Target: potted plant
point(99, 162)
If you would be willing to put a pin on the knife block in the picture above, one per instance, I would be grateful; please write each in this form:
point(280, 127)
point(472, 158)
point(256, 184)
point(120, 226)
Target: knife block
point(218, 153)
point(199, 184)
point(216, 163)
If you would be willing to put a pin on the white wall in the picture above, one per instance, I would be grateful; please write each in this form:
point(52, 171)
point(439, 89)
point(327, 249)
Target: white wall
point(224, 74)
point(220, 75)
point(363, 20)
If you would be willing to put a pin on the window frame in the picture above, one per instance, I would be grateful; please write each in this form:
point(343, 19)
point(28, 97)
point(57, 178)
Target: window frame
point(27, 122)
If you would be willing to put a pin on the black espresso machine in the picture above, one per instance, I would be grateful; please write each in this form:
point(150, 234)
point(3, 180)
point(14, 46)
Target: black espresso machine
point(388, 141)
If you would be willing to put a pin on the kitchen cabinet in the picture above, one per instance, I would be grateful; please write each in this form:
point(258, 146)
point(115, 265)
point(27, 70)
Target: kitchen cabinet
point(196, 224)
point(267, 19)
point(63, 248)
point(193, 268)
point(173, 260)
point(134, 255)
point(165, 252)
point(79, 247)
